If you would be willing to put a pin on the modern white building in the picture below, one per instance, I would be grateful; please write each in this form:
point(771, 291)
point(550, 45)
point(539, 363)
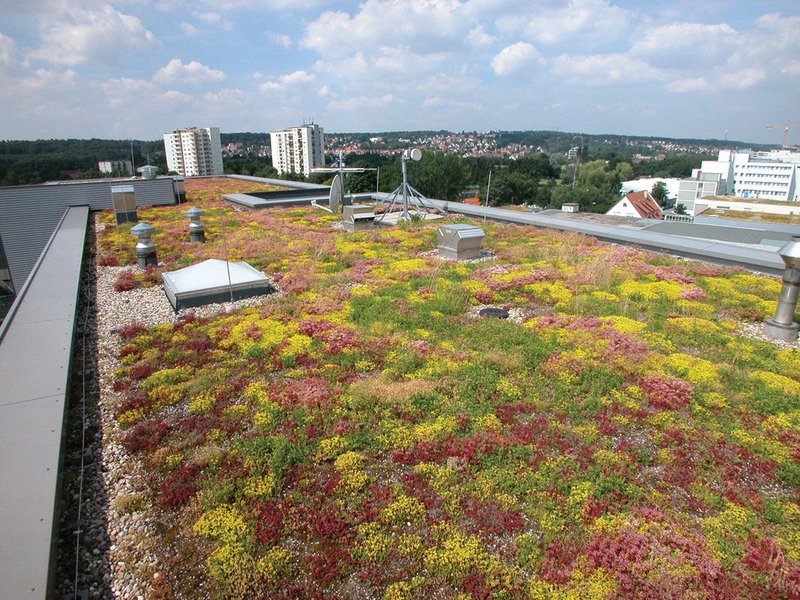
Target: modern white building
point(194, 152)
point(298, 149)
point(745, 174)
point(119, 167)
point(767, 175)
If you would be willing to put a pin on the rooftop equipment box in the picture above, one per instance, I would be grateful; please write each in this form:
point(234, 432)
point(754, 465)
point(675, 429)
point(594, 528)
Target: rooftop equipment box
point(459, 242)
point(357, 217)
point(124, 202)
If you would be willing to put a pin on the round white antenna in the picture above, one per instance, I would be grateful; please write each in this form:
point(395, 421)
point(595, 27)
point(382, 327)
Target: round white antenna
point(414, 154)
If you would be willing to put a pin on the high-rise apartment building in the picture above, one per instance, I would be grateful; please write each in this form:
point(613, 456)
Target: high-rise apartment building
point(194, 152)
point(298, 149)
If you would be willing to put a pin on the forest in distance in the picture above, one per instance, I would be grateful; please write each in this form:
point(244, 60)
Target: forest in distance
point(546, 178)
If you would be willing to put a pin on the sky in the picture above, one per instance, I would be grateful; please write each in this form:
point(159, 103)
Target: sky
point(121, 69)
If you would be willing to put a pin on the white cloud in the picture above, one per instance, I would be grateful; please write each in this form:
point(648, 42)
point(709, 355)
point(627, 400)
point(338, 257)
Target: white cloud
point(604, 69)
point(515, 57)
point(687, 45)
point(226, 98)
point(209, 17)
point(477, 36)
point(743, 79)
point(72, 35)
point(324, 91)
point(288, 81)
point(189, 29)
point(194, 72)
point(692, 84)
point(124, 92)
point(50, 80)
point(793, 68)
point(277, 5)
point(432, 102)
point(577, 22)
point(420, 25)
point(176, 96)
point(279, 39)
point(361, 103)
point(781, 31)
point(8, 49)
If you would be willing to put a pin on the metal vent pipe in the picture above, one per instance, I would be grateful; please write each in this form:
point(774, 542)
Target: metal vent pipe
point(782, 325)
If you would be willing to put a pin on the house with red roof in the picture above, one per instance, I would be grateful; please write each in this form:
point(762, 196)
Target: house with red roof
point(639, 205)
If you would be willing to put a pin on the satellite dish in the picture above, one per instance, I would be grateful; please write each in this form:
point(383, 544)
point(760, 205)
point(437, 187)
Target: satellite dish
point(337, 194)
point(415, 154)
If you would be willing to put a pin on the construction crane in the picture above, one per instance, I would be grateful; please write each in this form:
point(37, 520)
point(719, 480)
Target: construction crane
point(786, 129)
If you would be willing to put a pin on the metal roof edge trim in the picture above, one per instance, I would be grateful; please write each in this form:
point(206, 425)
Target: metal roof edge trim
point(24, 290)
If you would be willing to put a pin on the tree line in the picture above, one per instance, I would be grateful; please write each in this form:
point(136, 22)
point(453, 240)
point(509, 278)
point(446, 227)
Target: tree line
point(593, 179)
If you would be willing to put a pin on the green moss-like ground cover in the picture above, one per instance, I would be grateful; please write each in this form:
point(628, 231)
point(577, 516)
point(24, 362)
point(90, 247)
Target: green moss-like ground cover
point(364, 436)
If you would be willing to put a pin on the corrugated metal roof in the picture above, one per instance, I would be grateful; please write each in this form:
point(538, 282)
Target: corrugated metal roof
point(35, 351)
point(30, 213)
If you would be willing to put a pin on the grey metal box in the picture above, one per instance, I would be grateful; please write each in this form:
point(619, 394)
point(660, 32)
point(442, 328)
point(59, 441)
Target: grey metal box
point(459, 242)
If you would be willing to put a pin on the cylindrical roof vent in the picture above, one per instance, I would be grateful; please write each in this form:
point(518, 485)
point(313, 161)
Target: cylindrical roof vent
point(148, 171)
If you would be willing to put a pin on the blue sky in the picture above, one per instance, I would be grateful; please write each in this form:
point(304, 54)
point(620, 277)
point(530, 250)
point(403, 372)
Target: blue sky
point(139, 68)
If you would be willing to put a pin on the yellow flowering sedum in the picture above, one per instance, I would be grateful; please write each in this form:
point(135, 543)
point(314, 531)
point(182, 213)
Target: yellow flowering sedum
point(651, 291)
point(203, 403)
point(776, 382)
point(330, 448)
point(353, 479)
point(130, 417)
point(403, 511)
point(224, 523)
point(698, 371)
point(261, 488)
point(253, 332)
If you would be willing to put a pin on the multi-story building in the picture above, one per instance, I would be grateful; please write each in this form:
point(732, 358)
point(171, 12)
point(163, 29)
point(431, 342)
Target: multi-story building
point(298, 149)
point(194, 152)
point(767, 175)
point(119, 167)
point(746, 174)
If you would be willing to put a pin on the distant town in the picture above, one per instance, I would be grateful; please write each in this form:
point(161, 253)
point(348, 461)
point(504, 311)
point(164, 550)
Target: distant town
point(544, 169)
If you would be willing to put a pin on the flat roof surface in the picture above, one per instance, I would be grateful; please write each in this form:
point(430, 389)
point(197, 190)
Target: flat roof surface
point(766, 260)
point(35, 351)
point(255, 202)
point(721, 232)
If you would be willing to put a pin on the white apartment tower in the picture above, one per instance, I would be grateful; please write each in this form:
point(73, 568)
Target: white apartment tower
point(194, 152)
point(298, 149)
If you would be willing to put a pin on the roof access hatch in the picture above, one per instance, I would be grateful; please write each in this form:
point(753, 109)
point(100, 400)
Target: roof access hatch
point(214, 281)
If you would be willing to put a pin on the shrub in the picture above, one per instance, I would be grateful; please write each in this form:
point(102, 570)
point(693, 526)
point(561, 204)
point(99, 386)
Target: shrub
point(179, 486)
point(131, 330)
point(107, 260)
point(668, 392)
point(125, 282)
point(145, 436)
